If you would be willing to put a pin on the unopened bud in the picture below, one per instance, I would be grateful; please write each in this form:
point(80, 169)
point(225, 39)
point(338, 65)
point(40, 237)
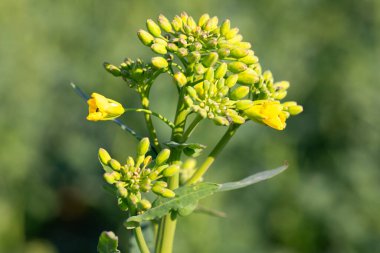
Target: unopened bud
point(191, 23)
point(231, 80)
point(171, 170)
point(283, 85)
point(180, 78)
point(248, 77)
point(232, 33)
point(209, 76)
point(192, 92)
point(237, 119)
point(159, 62)
point(240, 92)
point(115, 71)
point(122, 191)
point(159, 48)
point(182, 52)
point(111, 177)
point(221, 121)
point(115, 165)
point(153, 28)
point(249, 59)
point(236, 67)
point(210, 59)
point(294, 110)
point(239, 52)
point(223, 52)
point(211, 24)
point(145, 37)
point(203, 19)
point(172, 47)
point(145, 204)
point(194, 57)
point(200, 69)
point(225, 27)
point(104, 156)
point(221, 70)
point(162, 157)
point(280, 95)
point(244, 104)
point(189, 102)
point(130, 162)
point(165, 23)
point(143, 146)
point(177, 23)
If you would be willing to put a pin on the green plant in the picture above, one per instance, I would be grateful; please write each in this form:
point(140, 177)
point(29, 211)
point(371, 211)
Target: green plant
point(218, 77)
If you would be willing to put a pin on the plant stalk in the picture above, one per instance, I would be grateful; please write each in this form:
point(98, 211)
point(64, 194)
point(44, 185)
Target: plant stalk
point(140, 240)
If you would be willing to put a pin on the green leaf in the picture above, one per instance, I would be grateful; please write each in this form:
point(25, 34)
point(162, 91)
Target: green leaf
point(189, 149)
point(255, 178)
point(185, 196)
point(108, 242)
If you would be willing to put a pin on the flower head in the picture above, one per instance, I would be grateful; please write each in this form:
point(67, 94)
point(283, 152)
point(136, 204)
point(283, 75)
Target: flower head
point(269, 112)
point(102, 108)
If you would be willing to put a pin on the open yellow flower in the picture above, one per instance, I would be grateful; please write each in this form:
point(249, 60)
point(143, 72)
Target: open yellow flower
point(268, 112)
point(102, 108)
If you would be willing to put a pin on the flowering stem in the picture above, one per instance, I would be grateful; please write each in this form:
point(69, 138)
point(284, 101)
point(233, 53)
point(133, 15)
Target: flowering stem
point(159, 116)
point(213, 154)
point(140, 240)
point(149, 122)
point(192, 126)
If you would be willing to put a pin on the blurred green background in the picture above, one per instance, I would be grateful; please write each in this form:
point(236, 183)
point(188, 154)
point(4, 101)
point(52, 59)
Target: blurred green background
point(51, 196)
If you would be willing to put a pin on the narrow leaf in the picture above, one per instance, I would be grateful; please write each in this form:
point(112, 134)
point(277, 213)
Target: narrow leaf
point(185, 196)
point(255, 178)
point(108, 243)
point(190, 149)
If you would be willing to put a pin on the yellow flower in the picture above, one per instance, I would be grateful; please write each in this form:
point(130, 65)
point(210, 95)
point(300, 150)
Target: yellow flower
point(268, 112)
point(102, 108)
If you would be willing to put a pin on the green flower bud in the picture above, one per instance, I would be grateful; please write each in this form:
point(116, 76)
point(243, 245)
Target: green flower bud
point(180, 78)
point(231, 80)
point(172, 47)
point(249, 59)
point(145, 37)
point(159, 48)
point(133, 199)
point(166, 193)
point(224, 52)
point(130, 162)
point(192, 92)
point(115, 165)
point(209, 76)
point(295, 110)
point(221, 70)
point(162, 157)
point(244, 104)
point(122, 192)
point(210, 59)
point(239, 52)
point(244, 44)
point(143, 146)
point(164, 23)
point(248, 77)
point(223, 91)
point(160, 62)
point(111, 177)
point(211, 24)
point(177, 23)
point(144, 204)
point(220, 83)
point(200, 69)
point(240, 92)
point(238, 38)
point(280, 95)
point(237, 67)
point(232, 33)
point(171, 170)
point(203, 19)
point(202, 113)
point(153, 28)
point(221, 121)
point(104, 156)
point(194, 57)
point(189, 102)
point(191, 23)
point(225, 28)
point(182, 52)
point(115, 71)
point(283, 85)
point(237, 119)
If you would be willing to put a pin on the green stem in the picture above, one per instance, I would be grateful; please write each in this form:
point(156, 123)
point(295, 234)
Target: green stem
point(168, 224)
point(192, 126)
point(213, 154)
point(149, 122)
point(140, 240)
point(159, 116)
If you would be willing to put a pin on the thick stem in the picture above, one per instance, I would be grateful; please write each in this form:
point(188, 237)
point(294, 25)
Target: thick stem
point(213, 154)
point(140, 240)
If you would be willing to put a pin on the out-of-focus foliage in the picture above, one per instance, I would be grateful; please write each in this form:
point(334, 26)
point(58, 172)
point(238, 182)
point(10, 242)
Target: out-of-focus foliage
point(51, 196)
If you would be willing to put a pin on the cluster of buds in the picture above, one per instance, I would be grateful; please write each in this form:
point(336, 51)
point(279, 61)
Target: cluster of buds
point(137, 176)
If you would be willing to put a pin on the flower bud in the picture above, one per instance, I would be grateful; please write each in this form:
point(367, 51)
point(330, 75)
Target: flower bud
point(194, 57)
point(225, 27)
point(203, 19)
point(211, 24)
point(153, 28)
point(191, 23)
point(111, 177)
point(172, 47)
point(224, 52)
point(162, 157)
point(177, 23)
point(115, 71)
point(242, 44)
point(295, 110)
point(221, 121)
point(192, 92)
point(162, 191)
point(231, 33)
point(104, 156)
point(249, 59)
point(210, 59)
point(200, 69)
point(145, 37)
point(180, 78)
point(283, 85)
point(159, 62)
point(236, 67)
point(239, 93)
point(130, 162)
point(209, 76)
point(248, 77)
point(171, 170)
point(221, 70)
point(231, 80)
point(280, 95)
point(115, 165)
point(182, 52)
point(145, 204)
point(159, 48)
point(122, 191)
point(239, 52)
point(189, 102)
point(237, 119)
point(143, 146)
point(244, 104)
point(164, 23)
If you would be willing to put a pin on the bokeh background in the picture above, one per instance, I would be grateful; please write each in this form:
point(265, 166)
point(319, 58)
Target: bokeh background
point(51, 196)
